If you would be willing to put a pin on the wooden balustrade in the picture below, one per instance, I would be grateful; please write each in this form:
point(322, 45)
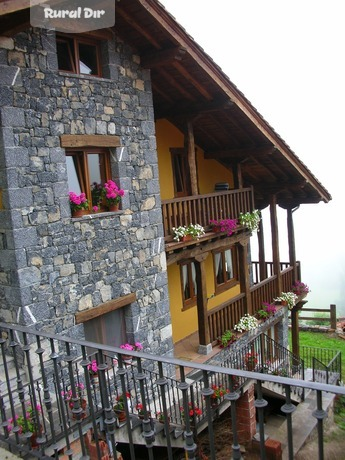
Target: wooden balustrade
point(225, 316)
point(201, 209)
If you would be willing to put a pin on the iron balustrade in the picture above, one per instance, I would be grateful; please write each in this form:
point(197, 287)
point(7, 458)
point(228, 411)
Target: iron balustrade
point(52, 374)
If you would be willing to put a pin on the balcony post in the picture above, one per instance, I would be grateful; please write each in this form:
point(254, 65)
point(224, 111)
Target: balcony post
point(244, 274)
point(275, 242)
point(191, 158)
point(262, 257)
point(292, 245)
point(205, 346)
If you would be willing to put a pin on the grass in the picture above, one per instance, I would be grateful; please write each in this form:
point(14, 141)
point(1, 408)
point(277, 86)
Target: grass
point(322, 340)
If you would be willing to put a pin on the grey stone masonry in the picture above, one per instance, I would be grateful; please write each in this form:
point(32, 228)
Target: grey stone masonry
point(53, 266)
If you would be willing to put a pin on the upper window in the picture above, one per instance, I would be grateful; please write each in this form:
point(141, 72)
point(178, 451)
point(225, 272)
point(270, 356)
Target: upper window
point(225, 268)
point(78, 55)
point(180, 172)
point(85, 168)
point(189, 286)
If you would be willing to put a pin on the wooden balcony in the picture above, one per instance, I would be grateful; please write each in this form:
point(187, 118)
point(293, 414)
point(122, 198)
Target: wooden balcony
point(201, 209)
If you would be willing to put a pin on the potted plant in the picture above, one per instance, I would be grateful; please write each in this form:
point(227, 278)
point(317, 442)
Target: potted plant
point(113, 195)
point(97, 196)
point(79, 204)
point(70, 399)
point(27, 423)
point(218, 393)
point(246, 323)
point(300, 289)
point(93, 371)
point(251, 360)
point(193, 411)
point(224, 225)
point(266, 311)
point(141, 411)
point(119, 406)
point(161, 417)
point(226, 339)
point(127, 358)
point(250, 220)
point(184, 233)
point(287, 298)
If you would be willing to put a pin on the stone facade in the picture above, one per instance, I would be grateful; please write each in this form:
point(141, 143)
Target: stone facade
point(53, 266)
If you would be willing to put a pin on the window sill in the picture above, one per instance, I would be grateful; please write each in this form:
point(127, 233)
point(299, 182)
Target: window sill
point(63, 73)
point(96, 215)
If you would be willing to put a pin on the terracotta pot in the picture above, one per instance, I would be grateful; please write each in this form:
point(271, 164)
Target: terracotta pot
point(121, 415)
point(216, 229)
point(187, 238)
point(94, 379)
point(79, 212)
point(33, 438)
point(113, 207)
point(83, 403)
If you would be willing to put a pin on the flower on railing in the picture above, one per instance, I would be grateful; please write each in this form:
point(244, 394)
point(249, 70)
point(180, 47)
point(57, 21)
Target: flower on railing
point(268, 309)
point(218, 392)
point(251, 359)
point(79, 389)
point(78, 202)
point(192, 230)
point(246, 323)
point(250, 220)
point(92, 367)
point(161, 417)
point(193, 411)
point(129, 347)
point(27, 423)
point(288, 298)
point(121, 400)
point(300, 288)
point(224, 225)
point(113, 193)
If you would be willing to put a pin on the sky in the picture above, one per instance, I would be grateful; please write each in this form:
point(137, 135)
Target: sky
point(287, 57)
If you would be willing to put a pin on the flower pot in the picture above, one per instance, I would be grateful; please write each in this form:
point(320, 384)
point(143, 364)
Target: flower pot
point(83, 404)
point(121, 415)
point(187, 238)
point(94, 379)
point(216, 229)
point(113, 207)
point(34, 436)
point(79, 212)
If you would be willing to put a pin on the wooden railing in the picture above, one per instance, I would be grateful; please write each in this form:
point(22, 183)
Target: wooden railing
point(225, 316)
point(263, 292)
point(331, 318)
point(269, 270)
point(201, 209)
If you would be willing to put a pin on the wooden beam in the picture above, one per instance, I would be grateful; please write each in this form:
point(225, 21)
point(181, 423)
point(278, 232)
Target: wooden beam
point(193, 81)
point(240, 153)
point(162, 58)
point(189, 140)
point(10, 6)
point(166, 75)
point(200, 274)
point(92, 140)
point(107, 307)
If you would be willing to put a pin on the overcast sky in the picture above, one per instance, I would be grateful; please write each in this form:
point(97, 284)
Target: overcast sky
point(287, 57)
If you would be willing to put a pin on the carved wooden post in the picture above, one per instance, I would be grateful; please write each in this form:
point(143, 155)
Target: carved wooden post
point(191, 158)
point(275, 242)
point(262, 259)
point(292, 245)
point(244, 274)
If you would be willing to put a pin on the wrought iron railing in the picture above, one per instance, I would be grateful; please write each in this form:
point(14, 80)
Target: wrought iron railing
point(57, 379)
point(324, 362)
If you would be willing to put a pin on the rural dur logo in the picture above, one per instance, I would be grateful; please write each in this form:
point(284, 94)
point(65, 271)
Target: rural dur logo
point(72, 16)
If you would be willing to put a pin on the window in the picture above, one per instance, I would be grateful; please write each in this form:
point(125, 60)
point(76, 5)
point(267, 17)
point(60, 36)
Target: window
point(84, 168)
point(225, 269)
point(180, 172)
point(78, 55)
point(108, 329)
point(189, 286)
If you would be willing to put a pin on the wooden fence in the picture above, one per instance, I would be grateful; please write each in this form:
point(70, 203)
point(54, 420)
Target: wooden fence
point(331, 319)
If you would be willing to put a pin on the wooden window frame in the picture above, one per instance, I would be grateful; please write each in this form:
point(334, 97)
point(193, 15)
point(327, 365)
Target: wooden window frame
point(227, 284)
point(191, 301)
point(82, 168)
point(74, 58)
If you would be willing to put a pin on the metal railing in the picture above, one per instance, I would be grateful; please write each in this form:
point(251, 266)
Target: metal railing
point(324, 362)
point(58, 398)
point(200, 209)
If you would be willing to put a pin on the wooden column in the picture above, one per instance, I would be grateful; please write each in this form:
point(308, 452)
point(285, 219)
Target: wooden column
point(190, 145)
point(262, 258)
point(237, 175)
point(244, 275)
point(292, 245)
point(204, 333)
point(295, 326)
point(275, 242)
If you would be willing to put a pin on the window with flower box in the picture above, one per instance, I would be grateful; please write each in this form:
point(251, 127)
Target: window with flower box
point(225, 269)
point(189, 285)
point(78, 55)
point(86, 167)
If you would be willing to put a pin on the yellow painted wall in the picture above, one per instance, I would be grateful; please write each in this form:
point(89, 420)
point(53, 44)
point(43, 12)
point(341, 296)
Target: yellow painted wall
point(209, 171)
point(185, 323)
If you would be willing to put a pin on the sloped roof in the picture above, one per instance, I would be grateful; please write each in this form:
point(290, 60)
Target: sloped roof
point(188, 85)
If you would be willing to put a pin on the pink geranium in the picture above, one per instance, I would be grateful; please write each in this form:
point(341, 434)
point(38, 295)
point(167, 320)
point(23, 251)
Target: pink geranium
point(113, 193)
point(78, 201)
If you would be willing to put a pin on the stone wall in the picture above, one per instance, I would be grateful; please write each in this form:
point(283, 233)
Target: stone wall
point(52, 266)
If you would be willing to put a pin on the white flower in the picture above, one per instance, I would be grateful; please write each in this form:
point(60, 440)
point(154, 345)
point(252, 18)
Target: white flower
point(246, 323)
point(288, 297)
point(195, 230)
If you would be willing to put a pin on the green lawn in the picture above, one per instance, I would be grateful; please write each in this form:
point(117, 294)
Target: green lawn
point(322, 340)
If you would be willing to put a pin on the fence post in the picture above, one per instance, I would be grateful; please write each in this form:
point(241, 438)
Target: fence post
point(333, 309)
